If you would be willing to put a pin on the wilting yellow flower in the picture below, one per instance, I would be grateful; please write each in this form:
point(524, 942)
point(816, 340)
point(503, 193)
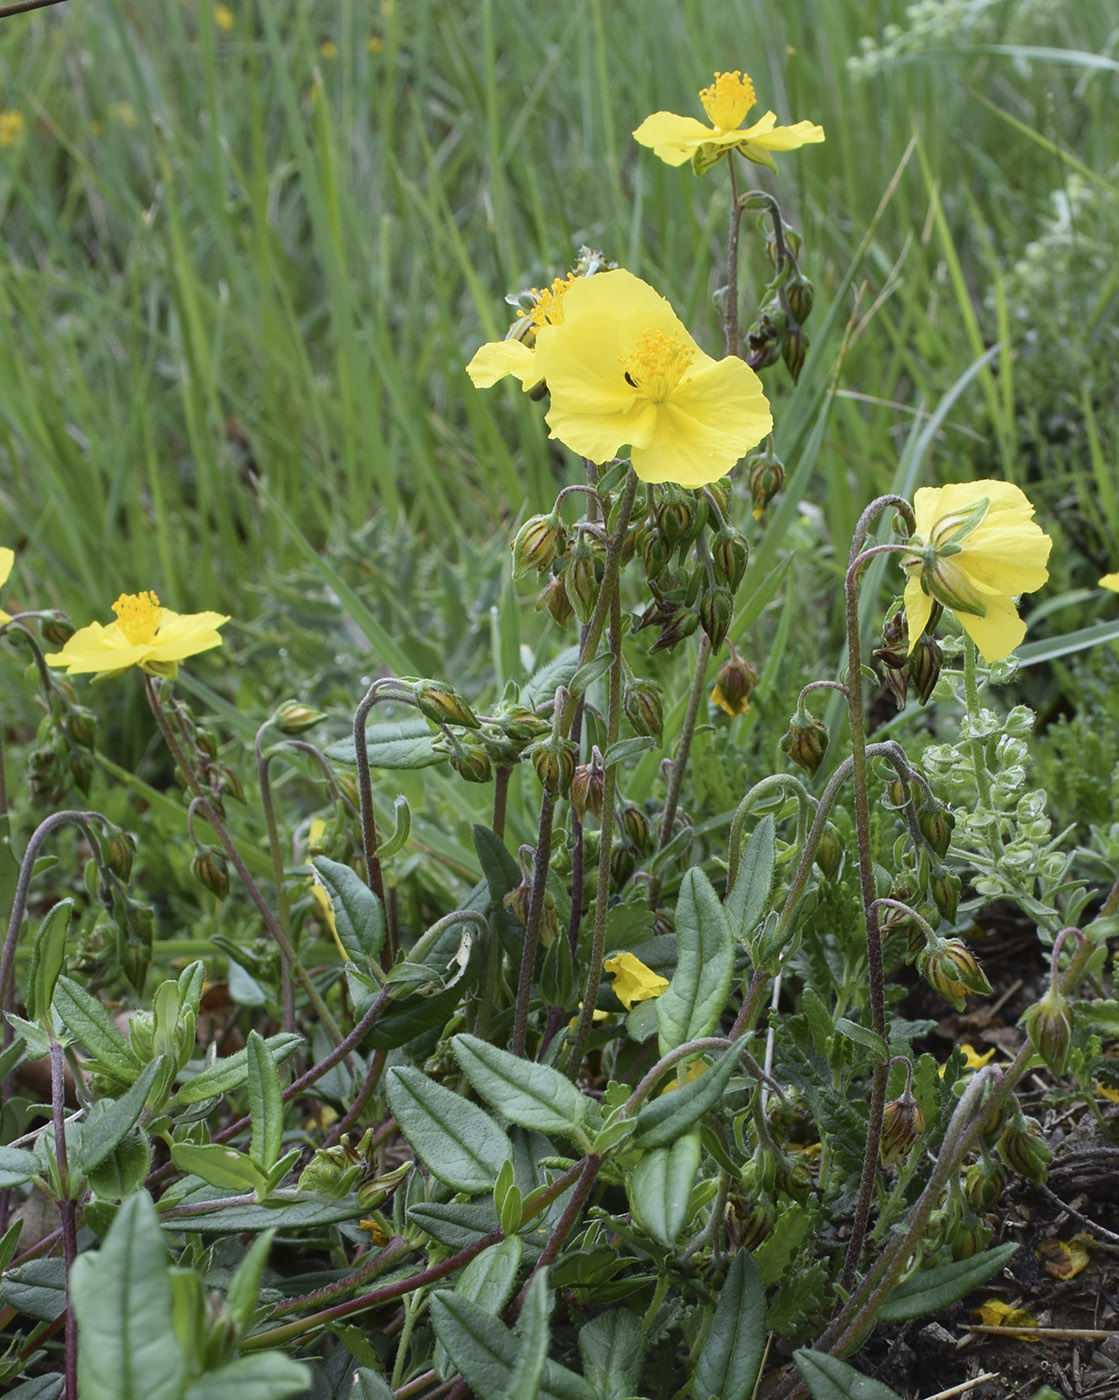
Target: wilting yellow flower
point(7, 559)
point(145, 634)
point(972, 1058)
point(633, 981)
point(976, 546)
point(1110, 581)
point(223, 17)
point(12, 127)
point(515, 354)
point(677, 139)
point(622, 369)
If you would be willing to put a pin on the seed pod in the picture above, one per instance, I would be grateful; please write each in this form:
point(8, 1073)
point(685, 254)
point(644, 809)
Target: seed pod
point(554, 601)
point(674, 519)
point(829, 851)
point(81, 725)
point(581, 579)
point(588, 784)
point(936, 823)
point(924, 666)
point(800, 295)
point(635, 825)
point(118, 847)
point(944, 886)
point(471, 762)
point(983, 1183)
point(793, 350)
point(554, 761)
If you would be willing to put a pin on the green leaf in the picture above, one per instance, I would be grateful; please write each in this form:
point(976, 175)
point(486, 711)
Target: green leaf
point(86, 1019)
point(406, 743)
point(267, 1375)
point(368, 1385)
point(47, 956)
point(586, 675)
point(298, 1215)
point(110, 1121)
point(123, 1171)
point(42, 1388)
point(456, 1140)
point(697, 994)
point(485, 1351)
point(732, 1354)
point(243, 1297)
point(224, 1075)
point(673, 1113)
point(219, 1165)
point(127, 1347)
point(541, 686)
point(623, 749)
point(864, 1036)
point(487, 1280)
point(358, 916)
point(536, 1096)
point(456, 1224)
point(828, 1378)
point(748, 900)
point(16, 1166)
point(37, 1289)
point(933, 1289)
point(612, 1345)
point(9, 1242)
point(266, 1104)
point(534, 1336)
point(661, 1185)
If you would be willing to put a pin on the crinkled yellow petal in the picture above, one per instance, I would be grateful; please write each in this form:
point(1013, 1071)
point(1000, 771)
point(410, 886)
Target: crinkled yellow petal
point(997, 634)
point(918, 608)
point(633, 981)
point(674, 138)
point(96, 648)
point(497, 358)
point(1110, 581)
point(710, 420)
point(766, 133)
point(601, 436)
point(185, 634)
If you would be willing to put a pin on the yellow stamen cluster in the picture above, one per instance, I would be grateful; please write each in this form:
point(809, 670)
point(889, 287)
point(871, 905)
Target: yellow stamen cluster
point(138, 616)
point(657, 364)
point(547, 307)
point(727, 100)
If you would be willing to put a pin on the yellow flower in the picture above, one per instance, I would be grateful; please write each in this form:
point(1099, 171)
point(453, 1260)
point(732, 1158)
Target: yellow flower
point(123, 112)
point(328, 48)
point(375, 44)
point(1110, 581)
point(972, 1058)
point(223, 17)
point(622, 369)
point(974, 549)
point(144, 634)
point(726, 102)
point(633, 981)
point(7, 559)
point(514, 355)
point(12, 127)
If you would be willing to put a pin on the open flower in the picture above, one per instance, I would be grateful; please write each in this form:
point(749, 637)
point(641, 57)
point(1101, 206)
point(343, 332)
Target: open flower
point(975, 547)
point(1108, 581)
point(145, 634)
point(514, 355)
point(7, 559)
point(633, 981)
point(726, 102)
point(622, 369)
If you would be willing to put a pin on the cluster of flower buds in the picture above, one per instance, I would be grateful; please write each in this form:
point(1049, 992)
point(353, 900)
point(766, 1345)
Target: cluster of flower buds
point(900, 666)
point(778, 331)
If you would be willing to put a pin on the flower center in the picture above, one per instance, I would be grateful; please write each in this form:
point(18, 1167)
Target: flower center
point(727, 100)
point(547, 303)
point(657, 363)
point(138, 616)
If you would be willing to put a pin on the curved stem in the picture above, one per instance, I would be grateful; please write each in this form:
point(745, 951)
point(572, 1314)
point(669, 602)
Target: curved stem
point(757, 793)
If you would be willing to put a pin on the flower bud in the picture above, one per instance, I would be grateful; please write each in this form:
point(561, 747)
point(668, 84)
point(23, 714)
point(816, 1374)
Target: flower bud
point(829, 851)
point(581, 579)
point(983, 1183)
point(674, 519)
point(793, 350)
point(294, 717)
point(554, 761)
point(81, 770)
point(733, 686)
point(210, 868)
point(623, 862)
point(641, 702)
point(57, 629)
point(944, 886)
point(730, 553)
point(117, 848)
point(924, 666)
point(902, 1124)
point(805, 741)
point(554, 601)
point(716, 608)
point(520, 725)
point(1024, 1150)
point(969, 1238)
point(537, 543)
point(635, 825)
point(679, 625)
point(587, 786)
point(936, 823)
point(441, 704)
point(767, 476)
point(81, 725)
point(951, 968)
point(1049, 1027)
point(227, 783)
point(471, 762)
point(653, 548)
point(800, 295)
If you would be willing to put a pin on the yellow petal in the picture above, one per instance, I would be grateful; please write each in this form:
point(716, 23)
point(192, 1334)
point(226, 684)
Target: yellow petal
point(918, 608)
point(497, 358)
point(1065, 1258)
point(180, 635)
point(7, 559)
point(997, 634)
point(767, 134)
point(995, 1313)
point(672, 138)
point(633, 981)
point(1108, 581)
point(97, 648)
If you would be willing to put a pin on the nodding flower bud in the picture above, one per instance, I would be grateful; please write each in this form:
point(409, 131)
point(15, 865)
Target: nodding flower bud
point(716, 608)
point(983, 1183)
point(56, 629)
point(117, 847)
point(805, 741)
point(1049, 1027)
point(925, 661)
point(829, 851)
point(588, 784)
point(674, 519)
point(641, 702)
point(800, 295)
point(1024, 1150)
point(554, 761)
point(902, 1124)
point(472, 763)
point(581, 578)
point(294, 717)
point(944, 886)
point(537, 543)
point(650, 543)
point(442, 704)
point(793, 350)
point(952, 969)
point(767, 476)
point(81, 725)
point(936, 823)
point(209, 866)
point(635, 825)
point(730, 554)
point(554, 601)
point(734, 685)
